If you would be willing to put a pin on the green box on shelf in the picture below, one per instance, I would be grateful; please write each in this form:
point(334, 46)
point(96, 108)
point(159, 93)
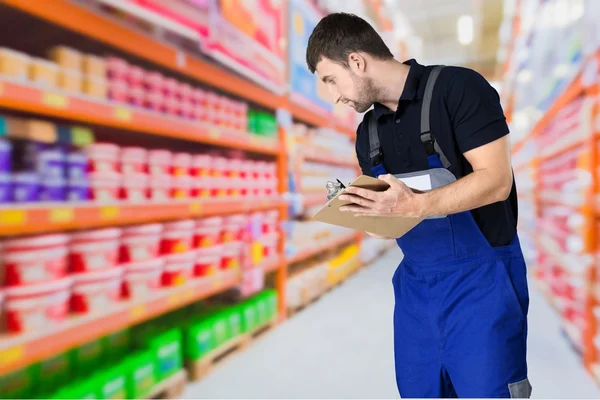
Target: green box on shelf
point(54, 372)
point(85, 389)
point(236, 327)
point(113, 382)
point(168, 353)
point(87, 357)
point(141, 374)
point(198, 340)
point(271, 296)
point(221, 329)
point(249, 316)
point(116, 344)
point(20, 384)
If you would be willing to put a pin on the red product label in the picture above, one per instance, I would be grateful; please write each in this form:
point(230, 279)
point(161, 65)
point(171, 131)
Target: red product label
point(36, 318)
point(36, 271)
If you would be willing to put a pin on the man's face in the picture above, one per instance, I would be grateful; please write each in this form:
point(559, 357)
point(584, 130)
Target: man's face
point(346, 86)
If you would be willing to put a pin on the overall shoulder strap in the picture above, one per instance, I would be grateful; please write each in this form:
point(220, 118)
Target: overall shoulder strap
point(435, 155)
point(375, 153)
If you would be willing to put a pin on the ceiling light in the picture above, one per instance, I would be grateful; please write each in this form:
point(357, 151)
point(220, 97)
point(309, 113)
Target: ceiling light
point(465, 29)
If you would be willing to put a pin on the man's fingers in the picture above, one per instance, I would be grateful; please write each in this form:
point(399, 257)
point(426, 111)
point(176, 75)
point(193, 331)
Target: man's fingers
point(391, 180)
point(365, 193)
point(356, 200)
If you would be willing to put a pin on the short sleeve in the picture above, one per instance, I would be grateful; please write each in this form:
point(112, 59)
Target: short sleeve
point(475, 111)
point(362, 145)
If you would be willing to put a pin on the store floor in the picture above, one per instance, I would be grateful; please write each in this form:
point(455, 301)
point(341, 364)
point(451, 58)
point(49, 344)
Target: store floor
point(341, 347)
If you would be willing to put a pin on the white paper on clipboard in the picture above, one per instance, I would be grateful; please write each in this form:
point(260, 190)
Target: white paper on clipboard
point(418, 182)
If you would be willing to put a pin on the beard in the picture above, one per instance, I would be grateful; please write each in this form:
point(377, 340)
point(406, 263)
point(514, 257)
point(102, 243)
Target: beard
point(367, 94)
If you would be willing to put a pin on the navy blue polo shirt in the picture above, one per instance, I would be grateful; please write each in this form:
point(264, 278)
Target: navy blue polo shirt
point(465, 114)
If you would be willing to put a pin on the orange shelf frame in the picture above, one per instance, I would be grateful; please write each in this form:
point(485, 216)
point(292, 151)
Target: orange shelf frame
point(63, 216)
point(325, 157)
point(20, 97)
point(327, 245)
point(78, 19)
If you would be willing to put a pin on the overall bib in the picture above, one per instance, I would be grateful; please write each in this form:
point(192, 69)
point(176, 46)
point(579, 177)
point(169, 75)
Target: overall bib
point(460, 316)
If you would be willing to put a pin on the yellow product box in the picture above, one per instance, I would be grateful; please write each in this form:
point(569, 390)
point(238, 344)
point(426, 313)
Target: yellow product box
point(93, 66)
point(32, 129)
point(14, 64)
point(66, 57)
point(43, 72)
point(95, 87)
point(70, 80)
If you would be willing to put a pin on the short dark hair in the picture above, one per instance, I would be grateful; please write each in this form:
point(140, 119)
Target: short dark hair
point(339, 34)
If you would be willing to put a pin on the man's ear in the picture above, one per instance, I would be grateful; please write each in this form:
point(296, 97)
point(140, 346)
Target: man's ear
point(357, 62)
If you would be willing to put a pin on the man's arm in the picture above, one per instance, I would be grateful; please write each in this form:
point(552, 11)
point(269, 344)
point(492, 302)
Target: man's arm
point(490, 182)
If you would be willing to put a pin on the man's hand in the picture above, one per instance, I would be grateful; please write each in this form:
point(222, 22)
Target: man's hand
point(397, 200)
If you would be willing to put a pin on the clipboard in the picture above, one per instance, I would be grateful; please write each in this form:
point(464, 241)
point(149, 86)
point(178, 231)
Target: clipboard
point(393, 227)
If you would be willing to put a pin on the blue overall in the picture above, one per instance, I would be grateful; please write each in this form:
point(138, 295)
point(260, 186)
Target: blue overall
point(460, 316)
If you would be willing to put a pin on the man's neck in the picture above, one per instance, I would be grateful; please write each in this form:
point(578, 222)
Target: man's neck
point(390, 80)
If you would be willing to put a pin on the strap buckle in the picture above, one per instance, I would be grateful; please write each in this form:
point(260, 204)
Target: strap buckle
point(429, 143)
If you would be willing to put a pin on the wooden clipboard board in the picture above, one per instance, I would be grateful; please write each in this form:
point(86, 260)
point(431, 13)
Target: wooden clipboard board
point(393, 227)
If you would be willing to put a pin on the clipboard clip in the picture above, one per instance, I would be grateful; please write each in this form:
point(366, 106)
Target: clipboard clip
point(333, 188)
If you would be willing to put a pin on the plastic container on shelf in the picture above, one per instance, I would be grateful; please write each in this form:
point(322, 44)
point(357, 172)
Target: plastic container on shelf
point(103, 157)
point(187, 92)
point(53, 189)
point(160, 187)
point(77, 165)
point(5, 156)
point(208, 232)
point(117, 91)
point(78, 189)
point(179, 268)
point(135, 77)
point(231, 255)
point(177, 237)
point(14, 64)
point(34, 260)
point(153, 82)
point(269, 245)
point(70, 80)
point(5, 188)
point(36, 307)
point(171, 106)
point(141, 243)
point(51, 163)
point(134, 160)
point(270, 222)
point(93, 65)
point(154, 101)
point(182, 187)
point(201, 165)
point(135, 188)
point(43, 72)
point(136, 96)
point(219, 167)
point(95, 250)
point(208, 261)
point(198, 97)
point(105, 187)
point(117, 69)
point(159, 162)
point(96, 291)
point(169, 86)
point(26, 187)
point(142, 278)
point(182, 164)
point(234, 227)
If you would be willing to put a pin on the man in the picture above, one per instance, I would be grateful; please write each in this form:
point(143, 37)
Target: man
point(460, 319)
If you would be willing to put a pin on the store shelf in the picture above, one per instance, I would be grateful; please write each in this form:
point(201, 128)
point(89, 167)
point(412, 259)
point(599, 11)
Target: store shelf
point(64, 216)
point(78, 19)
point(18, 351)
point(81, 20)
point(313, 199)
point(26, 98)
point(325, 157)
point(324, 245)
point(273, 264)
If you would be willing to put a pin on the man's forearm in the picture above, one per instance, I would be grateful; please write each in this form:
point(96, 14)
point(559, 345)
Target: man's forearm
point(475, 190)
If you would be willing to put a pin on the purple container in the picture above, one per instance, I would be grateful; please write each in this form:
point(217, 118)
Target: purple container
point(5, 156)
point(51, 163)
point(54, 189)
point(26, 187)
point(5, 188)
point(78, 190)
point(77, 165)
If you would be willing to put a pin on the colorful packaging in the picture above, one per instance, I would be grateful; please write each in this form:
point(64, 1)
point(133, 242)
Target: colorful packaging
point(26, 187)
point(113, 382)
point(198, 340)
point(168, 354)
point(97, 291)
point(82, 389)
point(235, 321)
point(5, 188)
point(221, 329)
point(141, 374)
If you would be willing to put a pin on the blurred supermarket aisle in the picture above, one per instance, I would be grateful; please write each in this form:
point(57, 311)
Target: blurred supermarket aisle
point(340, 347)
